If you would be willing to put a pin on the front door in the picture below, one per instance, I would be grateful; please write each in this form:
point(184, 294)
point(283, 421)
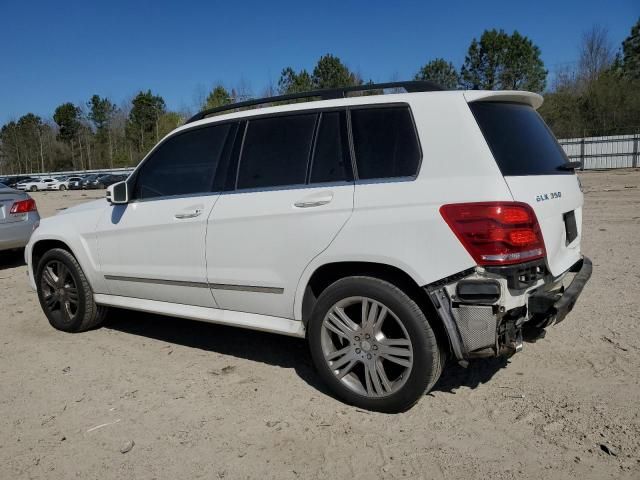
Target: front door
point(154, 247)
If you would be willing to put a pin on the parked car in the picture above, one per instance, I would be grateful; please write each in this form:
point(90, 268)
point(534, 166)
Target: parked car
point(34, 185)
point(18, 218)
point(13, 181)
point(391, 231)
point(75, 183)
point(88, 180)
point(59, 183)
point(103, 181)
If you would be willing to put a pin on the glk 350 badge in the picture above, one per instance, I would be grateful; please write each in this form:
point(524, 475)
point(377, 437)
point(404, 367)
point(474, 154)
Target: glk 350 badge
point(548, 196)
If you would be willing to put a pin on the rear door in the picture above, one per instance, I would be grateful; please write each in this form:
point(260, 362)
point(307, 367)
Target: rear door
point(293, 193)
point(535, 168)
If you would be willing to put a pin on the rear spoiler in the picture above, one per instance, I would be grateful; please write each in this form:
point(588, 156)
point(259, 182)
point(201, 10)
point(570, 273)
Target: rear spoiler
point(517, 96)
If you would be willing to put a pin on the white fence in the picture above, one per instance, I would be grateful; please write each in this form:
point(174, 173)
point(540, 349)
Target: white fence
point(617, 151)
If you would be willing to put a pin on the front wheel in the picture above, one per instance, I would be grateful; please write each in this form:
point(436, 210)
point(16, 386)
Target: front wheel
point(34, 188)
point(65, 294)
point(372, 345)
point(63, 188)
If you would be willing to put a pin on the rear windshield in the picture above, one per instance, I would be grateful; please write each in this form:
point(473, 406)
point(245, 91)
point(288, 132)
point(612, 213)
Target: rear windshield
point(520, 141)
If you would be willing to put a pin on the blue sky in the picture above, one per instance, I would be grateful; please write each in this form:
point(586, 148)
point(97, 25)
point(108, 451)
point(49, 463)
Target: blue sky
point(61, 51)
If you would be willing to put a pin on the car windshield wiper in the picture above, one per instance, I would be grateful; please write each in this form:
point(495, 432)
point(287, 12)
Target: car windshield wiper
point(569, 166)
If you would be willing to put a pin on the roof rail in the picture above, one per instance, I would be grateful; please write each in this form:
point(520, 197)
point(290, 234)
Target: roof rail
point(324, 94)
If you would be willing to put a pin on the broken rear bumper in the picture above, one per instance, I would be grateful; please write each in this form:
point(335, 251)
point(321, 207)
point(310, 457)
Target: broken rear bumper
point(550, 308)
point(485, 312)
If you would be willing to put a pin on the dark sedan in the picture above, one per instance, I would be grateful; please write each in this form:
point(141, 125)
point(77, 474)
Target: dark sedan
point(104, 181)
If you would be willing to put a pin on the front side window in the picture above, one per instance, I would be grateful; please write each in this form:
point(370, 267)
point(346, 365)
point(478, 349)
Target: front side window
point(184, 164)
point(385, 142)
point(276, 151)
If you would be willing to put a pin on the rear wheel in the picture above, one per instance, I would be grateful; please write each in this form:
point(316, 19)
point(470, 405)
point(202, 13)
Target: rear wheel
point(65, 294)
point(34, 188)
point(373, 345)
point(62, 187)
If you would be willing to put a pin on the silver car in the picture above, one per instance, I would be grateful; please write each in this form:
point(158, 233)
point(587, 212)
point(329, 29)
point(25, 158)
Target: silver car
point(18, 218)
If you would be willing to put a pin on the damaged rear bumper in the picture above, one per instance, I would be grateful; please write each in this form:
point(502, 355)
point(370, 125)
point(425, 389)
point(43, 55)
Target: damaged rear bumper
point(485, 311)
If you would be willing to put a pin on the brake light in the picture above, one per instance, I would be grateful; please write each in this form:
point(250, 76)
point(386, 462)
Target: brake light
point(23, 206)
point(496, 233)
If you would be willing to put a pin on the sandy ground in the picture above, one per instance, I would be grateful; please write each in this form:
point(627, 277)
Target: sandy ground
point(205, 401)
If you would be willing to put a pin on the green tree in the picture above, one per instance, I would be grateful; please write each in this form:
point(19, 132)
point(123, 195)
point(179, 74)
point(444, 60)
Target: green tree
point(101, 111)
point(31, 131)
point(67, 116)
point(292, 82)
point(631, 53)
point(218, 97)
point(143, 126)
point(441, 72)
point(499, 61)
point(330, 72)
point(10, 148)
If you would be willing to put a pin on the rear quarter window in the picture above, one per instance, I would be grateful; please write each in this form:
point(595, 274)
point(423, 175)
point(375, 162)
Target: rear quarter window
point(385, 142)
point(520, 141)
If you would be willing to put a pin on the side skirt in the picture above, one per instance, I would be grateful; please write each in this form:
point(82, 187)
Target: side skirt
point(253, 321)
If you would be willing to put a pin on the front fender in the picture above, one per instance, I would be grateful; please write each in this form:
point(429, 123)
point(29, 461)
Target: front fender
point(77, 231)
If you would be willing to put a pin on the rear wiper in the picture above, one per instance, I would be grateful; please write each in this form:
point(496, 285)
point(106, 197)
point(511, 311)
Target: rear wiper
point(569, 166)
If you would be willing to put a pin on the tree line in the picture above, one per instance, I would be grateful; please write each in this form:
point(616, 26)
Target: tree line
point(599, 95)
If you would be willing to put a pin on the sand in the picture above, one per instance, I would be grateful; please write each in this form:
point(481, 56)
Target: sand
point(190, 400)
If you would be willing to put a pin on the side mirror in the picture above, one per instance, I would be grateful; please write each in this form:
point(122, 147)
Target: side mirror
point(118, 193)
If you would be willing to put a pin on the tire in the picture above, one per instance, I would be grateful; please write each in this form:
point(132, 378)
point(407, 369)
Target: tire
point(62, 188)
point(400, 342)
point(60, 282)
point(34, 188)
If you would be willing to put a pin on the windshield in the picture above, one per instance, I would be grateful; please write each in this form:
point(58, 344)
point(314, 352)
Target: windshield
point(520, 141)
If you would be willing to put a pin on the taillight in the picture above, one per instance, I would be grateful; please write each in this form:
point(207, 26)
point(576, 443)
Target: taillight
point(496, 233)
point(23, 206)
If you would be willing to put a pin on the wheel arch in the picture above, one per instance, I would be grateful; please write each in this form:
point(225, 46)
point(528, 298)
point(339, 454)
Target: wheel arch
point(328, 273)
point(79, 248)
point(40, 247)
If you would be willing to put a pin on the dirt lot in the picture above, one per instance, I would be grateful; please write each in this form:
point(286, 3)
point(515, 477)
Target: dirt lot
point(205, 401)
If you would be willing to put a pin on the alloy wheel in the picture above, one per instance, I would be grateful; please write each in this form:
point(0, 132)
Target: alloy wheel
point(366, 346)
point(59, 290)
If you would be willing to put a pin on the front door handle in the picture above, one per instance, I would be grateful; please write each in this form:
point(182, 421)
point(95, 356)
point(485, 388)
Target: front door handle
point(314, 201)
point(191, 214)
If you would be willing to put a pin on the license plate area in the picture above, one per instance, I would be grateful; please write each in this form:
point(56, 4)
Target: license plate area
point(570, 226)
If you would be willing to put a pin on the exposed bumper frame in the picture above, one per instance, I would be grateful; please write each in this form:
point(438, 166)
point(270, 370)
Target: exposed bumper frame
point(544, 308)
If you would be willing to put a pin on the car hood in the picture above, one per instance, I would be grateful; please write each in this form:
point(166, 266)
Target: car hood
point(94, 205)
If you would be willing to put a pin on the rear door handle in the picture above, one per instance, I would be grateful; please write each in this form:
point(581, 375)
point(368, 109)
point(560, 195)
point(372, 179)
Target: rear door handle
point(191, 214)
point(314, 201)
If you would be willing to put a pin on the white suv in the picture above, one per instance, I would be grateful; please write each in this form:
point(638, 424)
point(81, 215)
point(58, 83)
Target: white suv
point(392, 231)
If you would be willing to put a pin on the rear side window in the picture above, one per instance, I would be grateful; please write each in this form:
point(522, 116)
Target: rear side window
point(331, 161)
point(385, 142)
point(276, 151)
point(184, 164)
point(520, 141)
